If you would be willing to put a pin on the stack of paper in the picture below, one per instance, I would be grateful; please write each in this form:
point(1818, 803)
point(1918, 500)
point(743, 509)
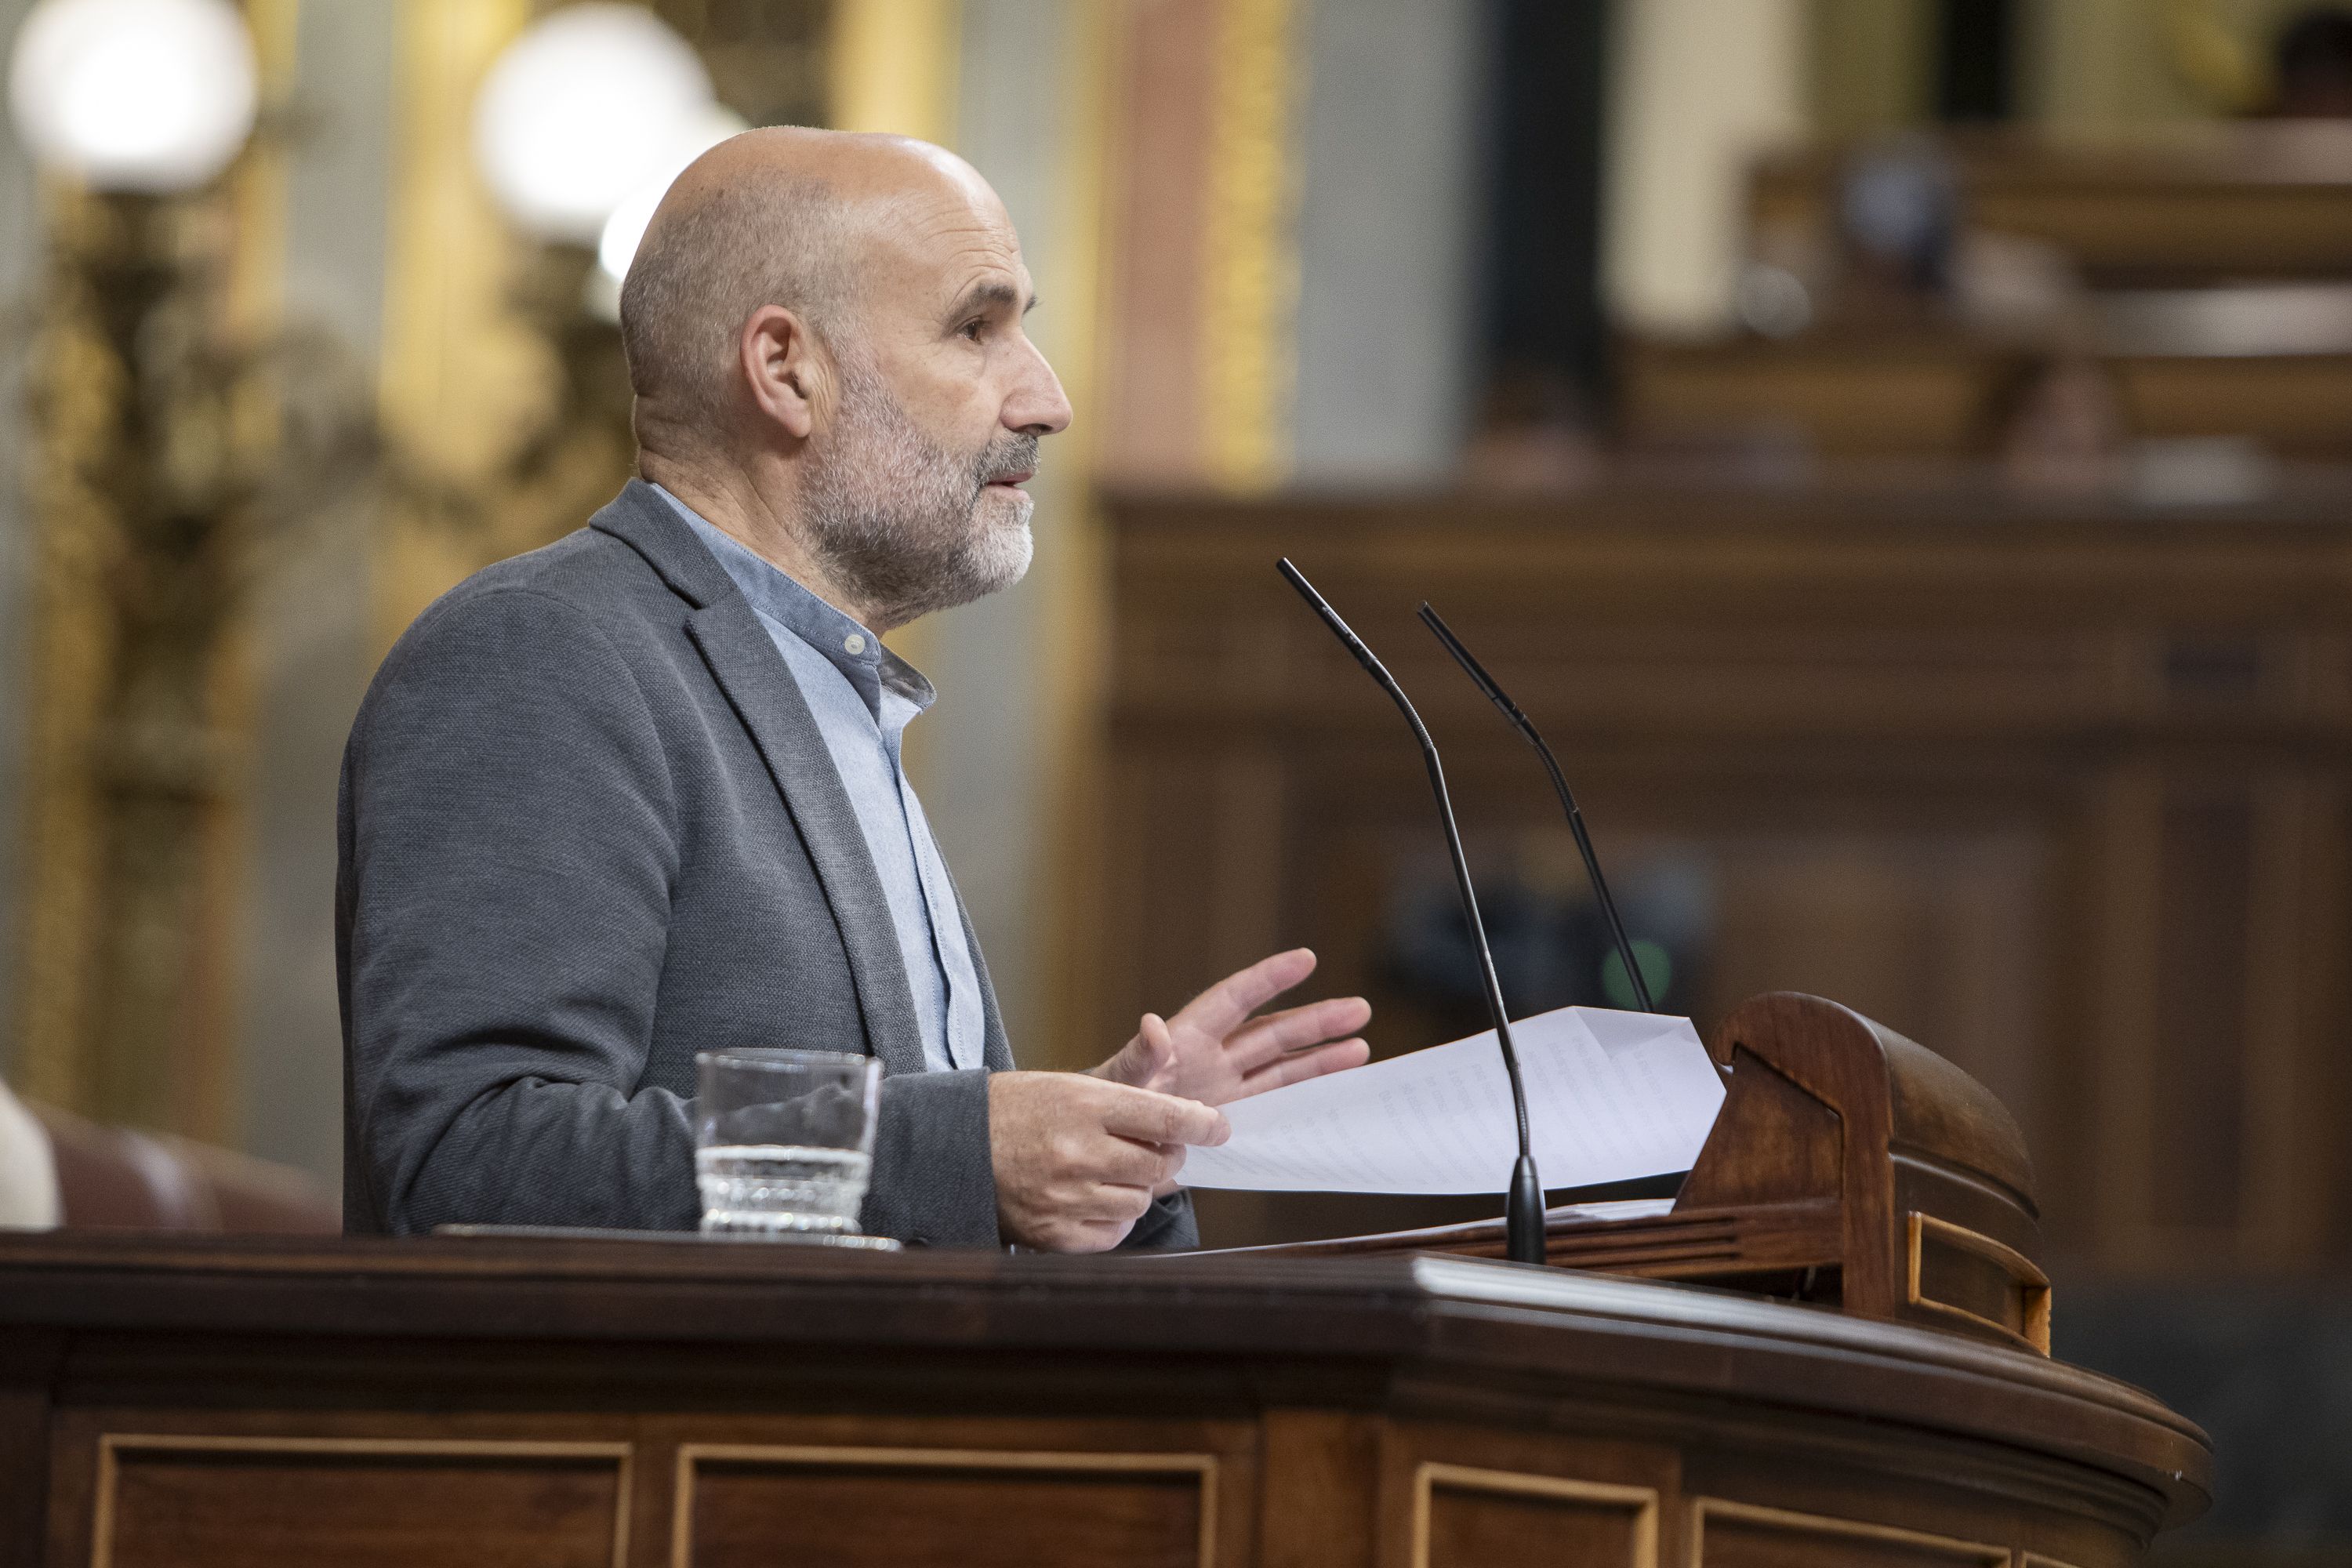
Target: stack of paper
point(1611, 1096)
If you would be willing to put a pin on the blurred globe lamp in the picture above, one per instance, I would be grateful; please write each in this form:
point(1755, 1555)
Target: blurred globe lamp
point(580, 126)
point(168, 445)
point(148, 96)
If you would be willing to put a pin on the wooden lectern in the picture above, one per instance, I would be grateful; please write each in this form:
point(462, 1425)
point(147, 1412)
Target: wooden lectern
point(1848, 1166)
point(205, 1402)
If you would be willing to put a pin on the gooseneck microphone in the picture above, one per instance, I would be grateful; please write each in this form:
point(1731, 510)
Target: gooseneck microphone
point(1523, 1208)
point(1519, 721)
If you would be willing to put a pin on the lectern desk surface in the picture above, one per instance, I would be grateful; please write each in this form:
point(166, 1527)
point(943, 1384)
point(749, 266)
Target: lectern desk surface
point(200, 1402)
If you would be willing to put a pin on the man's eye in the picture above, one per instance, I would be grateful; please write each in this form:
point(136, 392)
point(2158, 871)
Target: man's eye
point(973, 327)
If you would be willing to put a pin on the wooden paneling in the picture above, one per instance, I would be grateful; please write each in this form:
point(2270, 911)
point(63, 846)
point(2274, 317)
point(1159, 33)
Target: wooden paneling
point(1468, 1518)
point(1928, 397)
point(2198, 1070)
point(2057, 788)
point(1324, 1510)
point(500, 1402)
point(1741, 1536)
point(185, 1501)
point(1942, 398)
point(2298, 404)
point(740, 1506)
point(2225, 202)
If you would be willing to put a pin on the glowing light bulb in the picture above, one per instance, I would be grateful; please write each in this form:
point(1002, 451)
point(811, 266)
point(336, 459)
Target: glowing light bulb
point(582, 111)
point(134, 95)
point(617, 246)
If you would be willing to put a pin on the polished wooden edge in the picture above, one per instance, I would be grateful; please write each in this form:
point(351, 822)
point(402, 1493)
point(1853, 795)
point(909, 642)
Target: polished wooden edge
point(1763, 1321)
point(824, 1456)
point(113, 1444)
point(1459, 1318)
point(53, 1277)
point(2019, 1267)
point(1661, 516)
point(1642, 1500)
point(1983, 1554)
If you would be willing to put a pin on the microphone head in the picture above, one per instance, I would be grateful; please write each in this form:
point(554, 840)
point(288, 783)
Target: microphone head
point(1470, 665)
point(1340, 628)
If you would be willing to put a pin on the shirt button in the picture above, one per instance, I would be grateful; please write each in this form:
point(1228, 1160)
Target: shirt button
point(854, 643)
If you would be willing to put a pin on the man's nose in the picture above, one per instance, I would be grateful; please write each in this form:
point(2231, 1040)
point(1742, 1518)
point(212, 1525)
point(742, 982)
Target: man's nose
point(1038, 405)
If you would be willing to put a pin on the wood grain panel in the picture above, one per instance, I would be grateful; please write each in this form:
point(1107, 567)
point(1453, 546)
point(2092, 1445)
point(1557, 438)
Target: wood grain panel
point(2051, 784)
point(228, 1502)
point(846, 1507)
point(1465, 1517)
point(1742, 1535)
point(2198, 1096)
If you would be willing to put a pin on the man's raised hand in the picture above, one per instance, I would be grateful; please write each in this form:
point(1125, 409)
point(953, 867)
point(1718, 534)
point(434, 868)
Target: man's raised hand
point(1215, 1052)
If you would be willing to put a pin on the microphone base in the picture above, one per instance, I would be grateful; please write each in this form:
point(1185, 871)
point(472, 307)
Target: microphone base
point(1523, 1214)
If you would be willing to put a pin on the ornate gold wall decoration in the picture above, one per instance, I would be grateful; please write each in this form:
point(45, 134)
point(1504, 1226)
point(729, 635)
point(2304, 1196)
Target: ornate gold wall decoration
point(457, 367)
point(1249, 247)
point(892, 67)
point(165, 479)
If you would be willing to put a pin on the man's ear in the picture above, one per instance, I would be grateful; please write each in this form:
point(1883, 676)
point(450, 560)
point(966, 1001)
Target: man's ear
point(780, 362)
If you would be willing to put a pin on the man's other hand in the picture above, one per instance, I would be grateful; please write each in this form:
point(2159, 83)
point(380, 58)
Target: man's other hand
point(1215, 1052)
point(1078, 1160)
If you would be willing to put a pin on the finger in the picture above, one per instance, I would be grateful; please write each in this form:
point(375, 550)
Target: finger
point(1219, 1010)
point(1151, 1117)
point(1116, 1203)
point(1123, 1161)
point(1150, 1053)
point(1261, 1040)
point(1336, 1056)
point(1157, 1058)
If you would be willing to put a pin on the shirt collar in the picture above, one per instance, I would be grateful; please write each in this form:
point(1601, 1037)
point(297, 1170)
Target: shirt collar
point(857, 653)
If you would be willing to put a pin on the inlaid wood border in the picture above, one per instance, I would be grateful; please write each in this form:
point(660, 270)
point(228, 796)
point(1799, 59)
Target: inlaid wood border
point(1980, 1553)
point(1430, 1474)
point(112, 1444)
point(817, 1456)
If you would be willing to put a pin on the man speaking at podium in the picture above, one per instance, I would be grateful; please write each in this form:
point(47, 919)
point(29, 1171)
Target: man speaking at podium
point(638, 793)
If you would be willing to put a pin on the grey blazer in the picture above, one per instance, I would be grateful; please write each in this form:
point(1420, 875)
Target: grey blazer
point(588, 827)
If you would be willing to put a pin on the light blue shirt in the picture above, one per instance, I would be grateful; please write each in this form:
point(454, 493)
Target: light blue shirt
point(863, 696)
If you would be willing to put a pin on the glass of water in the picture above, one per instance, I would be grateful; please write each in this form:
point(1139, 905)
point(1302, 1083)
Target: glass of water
point(783, 1141)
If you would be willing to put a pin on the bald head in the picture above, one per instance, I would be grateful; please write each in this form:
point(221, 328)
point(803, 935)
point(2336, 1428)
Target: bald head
point(774, 217)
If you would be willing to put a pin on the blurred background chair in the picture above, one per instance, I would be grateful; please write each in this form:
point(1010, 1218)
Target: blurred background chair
point(58, 1170)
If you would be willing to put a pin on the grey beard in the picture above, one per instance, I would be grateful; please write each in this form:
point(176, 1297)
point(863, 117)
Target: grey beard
point(894, 517)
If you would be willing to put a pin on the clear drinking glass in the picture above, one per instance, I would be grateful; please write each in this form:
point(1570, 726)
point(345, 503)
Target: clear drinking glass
point(783, 1141)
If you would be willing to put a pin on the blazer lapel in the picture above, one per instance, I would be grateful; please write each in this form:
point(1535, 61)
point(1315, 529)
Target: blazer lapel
point(760, 686)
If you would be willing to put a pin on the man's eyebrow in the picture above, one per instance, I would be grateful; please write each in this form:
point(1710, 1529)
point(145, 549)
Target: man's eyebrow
point(995, 294)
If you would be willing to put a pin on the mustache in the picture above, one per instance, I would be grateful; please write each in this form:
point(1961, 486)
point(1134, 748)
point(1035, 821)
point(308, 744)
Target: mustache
point(1004, 456)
